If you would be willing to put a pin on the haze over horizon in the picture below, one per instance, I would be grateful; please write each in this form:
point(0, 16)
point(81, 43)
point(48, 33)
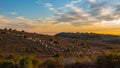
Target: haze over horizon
point(54, 16)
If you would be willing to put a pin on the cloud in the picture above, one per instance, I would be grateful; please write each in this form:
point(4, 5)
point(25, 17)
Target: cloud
point(112, 23)
point(50, 7)
point(13, 13)
point(75, 1)
point(79, 16)
point(22, 22)
point(118, 8)
point(92, 1)
point(87, 12)
point(69, 14)
point(76, 16)
point(17, 22)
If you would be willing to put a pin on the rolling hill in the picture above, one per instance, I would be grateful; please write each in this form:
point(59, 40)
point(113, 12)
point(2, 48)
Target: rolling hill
point(86, 47)
point(92, 36)
point(23, 42)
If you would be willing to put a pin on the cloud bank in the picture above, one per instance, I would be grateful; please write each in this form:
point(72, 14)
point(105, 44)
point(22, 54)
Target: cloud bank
point(90, 12)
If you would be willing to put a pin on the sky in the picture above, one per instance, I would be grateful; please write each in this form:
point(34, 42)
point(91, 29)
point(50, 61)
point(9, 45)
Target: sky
point(54, 16)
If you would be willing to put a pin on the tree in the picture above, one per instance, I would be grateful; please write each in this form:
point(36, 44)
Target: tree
point(10, 29)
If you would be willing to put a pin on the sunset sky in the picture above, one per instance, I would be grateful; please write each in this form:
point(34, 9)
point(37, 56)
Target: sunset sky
point(54, 16)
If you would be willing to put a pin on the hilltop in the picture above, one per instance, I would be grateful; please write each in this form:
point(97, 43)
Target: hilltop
point(113, 39)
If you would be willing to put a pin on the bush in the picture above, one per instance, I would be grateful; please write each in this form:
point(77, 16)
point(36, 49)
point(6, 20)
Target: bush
point(29, 62)
point(7, 64)
point(59, 61)
point(68, 50)
point(82, 44)
point(35, 62)
point(26, 63)
point(82, 65)
point(77, 65)
point(56, 42)
point(58, 54)
point(12, 56)
point(111, 60)
point(50, 63)
point(56, 62)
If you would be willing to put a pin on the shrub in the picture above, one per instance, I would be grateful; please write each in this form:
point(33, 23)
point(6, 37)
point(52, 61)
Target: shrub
point(5, 29)
point(36, 48)
point(23, 31)
point(35, 62)
point(50, 63)
point(29, 62)
point(111, 60)
point(59, 61)
point(82, 44)
point(58, 54)
point(3, 32)
point(10, 29)
point(24, 49)
point(82, 65)
point(56, 42)
point(68, 50)
point(26, 63)
point(56, 62)
point(7, 64)
point(24, 36)
point(77, 65)
point(12, 56)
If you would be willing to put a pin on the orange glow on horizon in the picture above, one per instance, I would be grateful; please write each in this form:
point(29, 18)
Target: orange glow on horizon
point(53, 29)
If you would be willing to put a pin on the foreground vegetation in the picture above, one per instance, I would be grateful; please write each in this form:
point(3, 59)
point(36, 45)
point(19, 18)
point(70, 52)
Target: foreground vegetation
point(109, 59)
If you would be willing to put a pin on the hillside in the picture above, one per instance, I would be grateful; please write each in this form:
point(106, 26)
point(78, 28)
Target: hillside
point(92, 36)
point(41, 46)
point(23, 42)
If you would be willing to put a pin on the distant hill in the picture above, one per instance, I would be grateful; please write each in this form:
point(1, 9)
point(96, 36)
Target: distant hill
point(92, 36)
